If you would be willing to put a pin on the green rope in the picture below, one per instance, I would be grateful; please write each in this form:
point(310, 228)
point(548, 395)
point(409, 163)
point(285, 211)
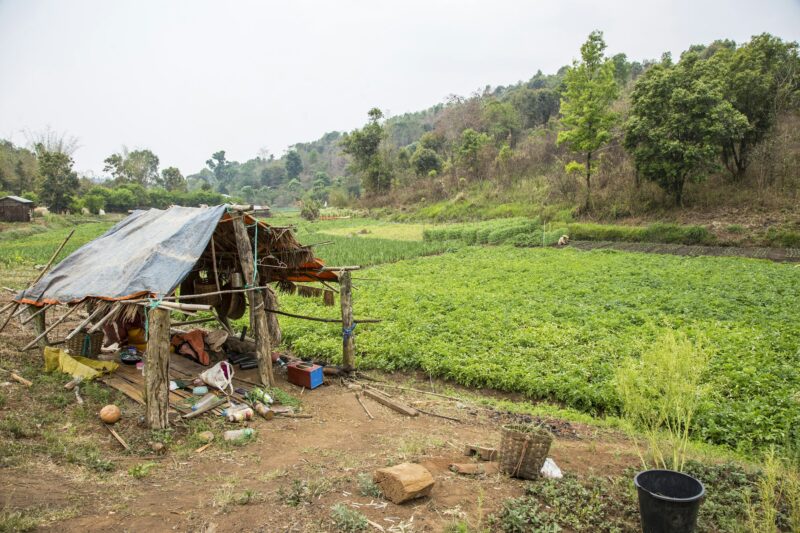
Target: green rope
point(152, 304)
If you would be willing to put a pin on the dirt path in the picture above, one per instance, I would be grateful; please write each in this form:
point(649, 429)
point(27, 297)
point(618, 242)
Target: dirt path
point(786, 255)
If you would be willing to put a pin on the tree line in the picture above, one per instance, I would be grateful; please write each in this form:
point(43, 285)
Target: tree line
point(666, 122)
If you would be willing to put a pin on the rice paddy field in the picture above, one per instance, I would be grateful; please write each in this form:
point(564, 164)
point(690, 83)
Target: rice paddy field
point(550, 324)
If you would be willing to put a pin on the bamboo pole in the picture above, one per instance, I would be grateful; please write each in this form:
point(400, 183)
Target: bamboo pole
point(8, 318)
point(99, 324)
point(53, 258)
point(156, 377)
point(214, 261)
point(83, 324)
point(52, 326)
point(34, 315)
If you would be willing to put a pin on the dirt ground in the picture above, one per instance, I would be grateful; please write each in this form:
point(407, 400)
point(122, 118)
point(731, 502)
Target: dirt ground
point(313, 463)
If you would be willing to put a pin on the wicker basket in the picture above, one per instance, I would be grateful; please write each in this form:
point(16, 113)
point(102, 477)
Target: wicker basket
point(523, 450)
point(201, 287)
point(86, 344)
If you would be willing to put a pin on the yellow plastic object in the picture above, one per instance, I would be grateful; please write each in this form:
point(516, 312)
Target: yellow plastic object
point(82, 367)
point(136, 336)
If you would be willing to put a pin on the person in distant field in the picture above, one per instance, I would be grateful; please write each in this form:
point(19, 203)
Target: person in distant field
point(563, 240)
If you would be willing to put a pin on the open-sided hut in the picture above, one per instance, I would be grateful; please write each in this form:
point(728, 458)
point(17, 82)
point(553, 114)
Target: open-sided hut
point(181, 259)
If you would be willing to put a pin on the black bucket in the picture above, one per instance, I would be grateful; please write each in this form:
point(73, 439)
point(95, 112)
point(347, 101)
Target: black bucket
point(668, 501)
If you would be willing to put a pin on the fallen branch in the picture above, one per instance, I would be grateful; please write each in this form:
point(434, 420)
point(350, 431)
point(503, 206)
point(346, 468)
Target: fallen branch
point(422, 392)
point(438, 415)
point(358, 397)
point(116, 436)
point(16, 377)
point(397, 406)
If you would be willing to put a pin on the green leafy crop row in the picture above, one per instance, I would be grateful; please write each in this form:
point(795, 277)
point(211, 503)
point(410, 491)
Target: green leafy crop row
point(554, 323)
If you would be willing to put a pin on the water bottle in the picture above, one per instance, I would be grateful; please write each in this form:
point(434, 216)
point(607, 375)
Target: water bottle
point(204, 401)
point(236, 434)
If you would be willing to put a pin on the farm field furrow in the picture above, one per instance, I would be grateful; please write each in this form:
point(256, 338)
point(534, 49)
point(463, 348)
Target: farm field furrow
point(556, 323)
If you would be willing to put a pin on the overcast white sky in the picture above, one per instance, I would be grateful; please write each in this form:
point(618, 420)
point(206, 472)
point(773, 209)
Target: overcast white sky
point(187, 78)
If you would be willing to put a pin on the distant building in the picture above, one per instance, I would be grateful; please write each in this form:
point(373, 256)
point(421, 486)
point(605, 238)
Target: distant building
point(16, 209)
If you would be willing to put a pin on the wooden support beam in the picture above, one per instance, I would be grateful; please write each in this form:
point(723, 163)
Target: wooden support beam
point(111, 313)
point(348, 340)
point(33, 315)
point(156, 377)
point(100, 309)
point(43, 334)
point(10, 314)
point(256, 302)
point(391, 404)
point(53, 258)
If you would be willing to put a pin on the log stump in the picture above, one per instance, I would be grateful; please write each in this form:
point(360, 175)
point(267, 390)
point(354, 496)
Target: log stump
point(404, 482)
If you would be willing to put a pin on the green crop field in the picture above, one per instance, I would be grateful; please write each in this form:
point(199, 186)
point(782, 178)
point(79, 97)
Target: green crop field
point(556, 323)
point(548, 323)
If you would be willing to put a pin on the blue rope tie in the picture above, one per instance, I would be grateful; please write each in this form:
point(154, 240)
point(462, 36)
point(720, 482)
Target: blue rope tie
point(152, 304)
point(348, 332)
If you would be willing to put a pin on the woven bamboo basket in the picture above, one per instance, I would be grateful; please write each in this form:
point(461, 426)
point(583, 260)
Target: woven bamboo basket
point(201, 287)
point(86, 344)
point(523, 450)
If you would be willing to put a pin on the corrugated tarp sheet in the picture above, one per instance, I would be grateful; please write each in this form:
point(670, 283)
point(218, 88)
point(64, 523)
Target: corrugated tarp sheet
point(147, 252)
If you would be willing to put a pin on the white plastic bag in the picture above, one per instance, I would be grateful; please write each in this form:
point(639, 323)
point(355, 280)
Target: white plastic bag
point(550, 470)
point(219, 376)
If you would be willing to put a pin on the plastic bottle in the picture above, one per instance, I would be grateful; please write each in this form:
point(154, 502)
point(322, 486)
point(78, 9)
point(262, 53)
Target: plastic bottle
point(236, 434)
point(259, 395)
point(241, 415)
point(263, 410)
point(205, 400)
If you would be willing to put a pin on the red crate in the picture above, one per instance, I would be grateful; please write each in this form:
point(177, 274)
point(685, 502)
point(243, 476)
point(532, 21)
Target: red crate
point(306, 375)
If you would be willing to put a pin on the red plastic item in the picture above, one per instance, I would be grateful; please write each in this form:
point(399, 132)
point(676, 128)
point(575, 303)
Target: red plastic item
point(303, 374)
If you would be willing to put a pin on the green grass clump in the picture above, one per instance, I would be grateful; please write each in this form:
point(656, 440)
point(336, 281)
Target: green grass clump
point(556, 324)
point(348, 520)
point(657, 232)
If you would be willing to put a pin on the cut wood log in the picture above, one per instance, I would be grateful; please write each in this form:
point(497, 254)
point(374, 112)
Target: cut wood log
point(404, 482)
point(156, 383)
point(392, 404)
point(475, 469)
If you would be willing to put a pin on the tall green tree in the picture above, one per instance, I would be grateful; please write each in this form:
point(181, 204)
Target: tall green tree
point(678, 116)
point(59, 180)
point(294, 164)
point(173, 180)
point(364, 147)
point(587, 118)
point(222, 169)
point(138, 166)
point(760, 79)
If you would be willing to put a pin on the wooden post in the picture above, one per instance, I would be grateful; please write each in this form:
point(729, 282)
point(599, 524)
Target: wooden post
point(256, 302)
point(156, 377)
point(348, 342)
point(271, 302)
point(39, 326)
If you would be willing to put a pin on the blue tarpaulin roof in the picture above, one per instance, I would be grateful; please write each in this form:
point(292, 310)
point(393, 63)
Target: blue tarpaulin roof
point(147, 252)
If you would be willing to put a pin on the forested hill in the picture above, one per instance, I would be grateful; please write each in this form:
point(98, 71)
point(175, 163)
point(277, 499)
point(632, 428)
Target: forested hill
point(604, 137)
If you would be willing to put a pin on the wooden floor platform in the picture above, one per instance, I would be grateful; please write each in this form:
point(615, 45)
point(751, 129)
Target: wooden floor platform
point(130, 381)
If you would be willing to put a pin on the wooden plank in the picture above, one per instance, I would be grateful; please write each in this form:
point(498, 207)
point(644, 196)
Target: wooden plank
point(397, 406)
point(125, 388)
